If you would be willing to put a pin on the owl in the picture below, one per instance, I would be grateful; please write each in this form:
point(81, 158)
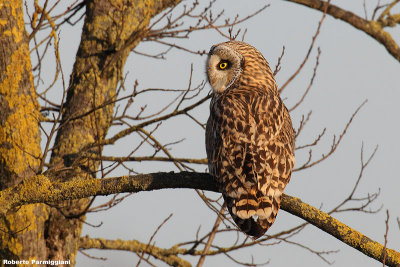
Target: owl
point(249, 135)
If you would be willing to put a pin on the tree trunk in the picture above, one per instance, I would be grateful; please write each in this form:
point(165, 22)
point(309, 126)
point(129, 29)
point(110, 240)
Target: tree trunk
point(21, 230)
point(111, 29)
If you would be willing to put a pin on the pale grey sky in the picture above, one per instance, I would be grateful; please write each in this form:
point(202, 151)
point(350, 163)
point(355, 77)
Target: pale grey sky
point(353, 67)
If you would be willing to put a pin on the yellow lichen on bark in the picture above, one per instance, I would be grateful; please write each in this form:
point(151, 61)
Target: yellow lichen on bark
point(170, 256)
point(22, 221)
point(20, 129)
point(3, 22)
point(40, 188)
point(34, 186)
point(17, 31)
point(341, 231)
point(21, 232)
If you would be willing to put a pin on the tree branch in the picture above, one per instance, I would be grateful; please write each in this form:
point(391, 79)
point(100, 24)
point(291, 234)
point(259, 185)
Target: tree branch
point(150, 158)
point(39, 189)
point(165, 255)
point(372, 28)
point(339, 230)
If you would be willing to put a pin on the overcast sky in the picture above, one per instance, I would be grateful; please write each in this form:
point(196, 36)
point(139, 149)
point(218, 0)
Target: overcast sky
point(353, 67)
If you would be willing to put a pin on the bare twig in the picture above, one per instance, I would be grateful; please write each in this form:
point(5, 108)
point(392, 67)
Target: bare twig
point(211, 237)
point(310, 84)
point(314, 38)
point(278, 64)
point(334, 146)
point(368, 199)
point(386, 238)
point(152, 237)
point(92, 257)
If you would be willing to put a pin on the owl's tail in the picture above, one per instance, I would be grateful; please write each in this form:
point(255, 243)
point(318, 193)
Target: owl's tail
point(247, 208)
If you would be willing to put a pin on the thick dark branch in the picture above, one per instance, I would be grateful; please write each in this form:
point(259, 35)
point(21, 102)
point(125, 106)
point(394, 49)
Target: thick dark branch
point(372, 28)
point(40, 189)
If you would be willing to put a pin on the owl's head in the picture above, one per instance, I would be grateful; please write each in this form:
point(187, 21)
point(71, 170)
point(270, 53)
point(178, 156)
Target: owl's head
point(230, 61)
point(224, 65)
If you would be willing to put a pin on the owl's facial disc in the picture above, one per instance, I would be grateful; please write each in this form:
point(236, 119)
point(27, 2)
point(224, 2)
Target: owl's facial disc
point(217, 70)
point(223, 67)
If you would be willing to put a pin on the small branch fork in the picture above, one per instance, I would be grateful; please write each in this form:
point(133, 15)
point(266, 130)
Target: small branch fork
point(335, 143)
point(374, 28)
point(170, 25)
point(314, 38)
point(141, 257)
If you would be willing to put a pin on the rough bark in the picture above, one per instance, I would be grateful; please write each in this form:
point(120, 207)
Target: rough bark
point(20, 229)
point(111, 29)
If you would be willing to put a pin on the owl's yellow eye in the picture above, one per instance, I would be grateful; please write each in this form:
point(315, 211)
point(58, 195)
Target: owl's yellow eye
point(223, 65)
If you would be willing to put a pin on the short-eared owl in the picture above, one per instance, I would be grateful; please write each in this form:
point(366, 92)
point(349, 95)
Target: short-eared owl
point(249, 135)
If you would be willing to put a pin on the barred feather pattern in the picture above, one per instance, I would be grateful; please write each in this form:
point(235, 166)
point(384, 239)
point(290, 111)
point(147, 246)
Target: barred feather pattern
point(250, 144)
